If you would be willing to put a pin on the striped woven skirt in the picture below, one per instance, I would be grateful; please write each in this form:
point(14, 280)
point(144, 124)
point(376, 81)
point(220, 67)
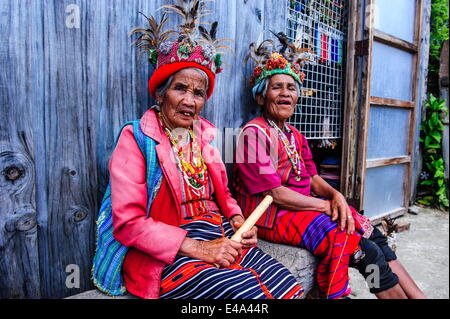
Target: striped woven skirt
point(255, 275)
point(322, 237)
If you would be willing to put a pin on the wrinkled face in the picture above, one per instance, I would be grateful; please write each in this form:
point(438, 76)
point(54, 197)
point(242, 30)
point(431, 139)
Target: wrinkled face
point(184, 99)
point(281, 97)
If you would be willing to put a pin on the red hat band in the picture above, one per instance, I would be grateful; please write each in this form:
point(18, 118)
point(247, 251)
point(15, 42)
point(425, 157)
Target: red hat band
point(165, 71)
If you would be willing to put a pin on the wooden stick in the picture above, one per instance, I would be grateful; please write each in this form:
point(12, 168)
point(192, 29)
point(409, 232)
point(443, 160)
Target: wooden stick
point(251, 220)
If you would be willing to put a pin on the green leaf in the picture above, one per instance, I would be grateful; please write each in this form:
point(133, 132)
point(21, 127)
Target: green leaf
point(431, 138)
point(425, 202)
point(429, 166)
point(426, 183)
point(428, 141)
point(432, 99)
point(436, 136)
point(439, 174)
point(439, 162)
point(434, 146)
point(445, 203)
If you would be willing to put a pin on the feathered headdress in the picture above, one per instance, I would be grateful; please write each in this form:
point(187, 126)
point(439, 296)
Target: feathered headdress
point(269, 60)
point(151, 38)
point(191, 46)
point(190, 11)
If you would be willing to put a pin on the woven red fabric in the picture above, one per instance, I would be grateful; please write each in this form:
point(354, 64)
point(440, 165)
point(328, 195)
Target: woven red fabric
point(165, 71)
point(322, 237)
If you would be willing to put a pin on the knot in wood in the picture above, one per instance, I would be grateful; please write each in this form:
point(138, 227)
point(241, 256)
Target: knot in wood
point(26, 222)
point(13, 173)
point(79, 215)
point(21, 220)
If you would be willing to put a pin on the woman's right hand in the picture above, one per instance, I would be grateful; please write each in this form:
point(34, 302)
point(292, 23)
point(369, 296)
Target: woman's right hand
point(222, 251)
point(339, 212)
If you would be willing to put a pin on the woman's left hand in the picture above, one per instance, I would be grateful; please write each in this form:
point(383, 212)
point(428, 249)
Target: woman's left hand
point(340, 210)
point(249, 238)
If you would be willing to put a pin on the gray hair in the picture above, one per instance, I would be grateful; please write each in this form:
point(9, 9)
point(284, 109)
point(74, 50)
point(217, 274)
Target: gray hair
point(162, 89)
point(264, 89)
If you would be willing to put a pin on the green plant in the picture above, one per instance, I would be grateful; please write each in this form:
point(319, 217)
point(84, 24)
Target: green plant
point(438, 34)
point(432, 184)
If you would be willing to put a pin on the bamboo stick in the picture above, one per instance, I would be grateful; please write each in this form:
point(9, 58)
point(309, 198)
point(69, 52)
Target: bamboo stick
point(251, 220)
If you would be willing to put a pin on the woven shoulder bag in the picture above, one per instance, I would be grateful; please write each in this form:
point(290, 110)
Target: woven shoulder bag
point(109, 253)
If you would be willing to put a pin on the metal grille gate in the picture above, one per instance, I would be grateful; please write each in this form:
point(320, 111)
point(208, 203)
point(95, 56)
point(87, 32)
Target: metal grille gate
point(321, 24)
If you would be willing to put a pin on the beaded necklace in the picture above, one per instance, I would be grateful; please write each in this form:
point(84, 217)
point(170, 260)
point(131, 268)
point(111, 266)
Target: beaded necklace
point(290, 148)
point(194, 172)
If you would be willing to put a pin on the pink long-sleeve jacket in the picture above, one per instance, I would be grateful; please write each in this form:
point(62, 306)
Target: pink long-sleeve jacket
point(155, 241)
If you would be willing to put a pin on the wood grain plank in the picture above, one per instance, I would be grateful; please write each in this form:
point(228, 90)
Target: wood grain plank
point(221, 107)
point(66, 155)
point(378, 162)
point(20, 123)
point(391, 102)
point(393, 41)
point(423, 39)
point(415, 80)
point(391, 214)
point(250, 28)
point(350, 111)
point(368, 10)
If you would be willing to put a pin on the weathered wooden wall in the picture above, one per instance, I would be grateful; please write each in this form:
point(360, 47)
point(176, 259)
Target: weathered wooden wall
point(64, 93)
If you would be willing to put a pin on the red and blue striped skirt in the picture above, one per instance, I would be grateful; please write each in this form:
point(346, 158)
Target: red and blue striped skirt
point(255, 275)
point(322, 237)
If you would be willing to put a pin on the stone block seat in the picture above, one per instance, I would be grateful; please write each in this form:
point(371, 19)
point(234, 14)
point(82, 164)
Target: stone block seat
point(300, 262)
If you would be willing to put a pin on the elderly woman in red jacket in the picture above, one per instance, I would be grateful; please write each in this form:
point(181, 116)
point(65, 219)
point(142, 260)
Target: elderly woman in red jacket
point(183, 249)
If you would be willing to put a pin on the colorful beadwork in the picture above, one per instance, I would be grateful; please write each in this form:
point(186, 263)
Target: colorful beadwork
point(194, 170)
point(290, 148)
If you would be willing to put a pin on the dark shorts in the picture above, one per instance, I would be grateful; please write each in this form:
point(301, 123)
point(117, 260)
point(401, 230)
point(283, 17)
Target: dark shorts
point(378, 238)
point(374, 266)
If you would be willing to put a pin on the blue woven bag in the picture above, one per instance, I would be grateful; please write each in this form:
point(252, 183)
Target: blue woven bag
point(109, 253)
